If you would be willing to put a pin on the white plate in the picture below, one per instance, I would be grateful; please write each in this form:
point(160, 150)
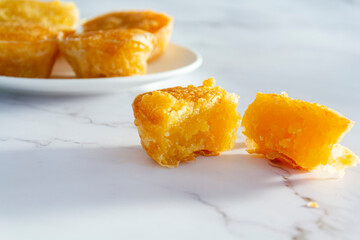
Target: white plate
point(175, 61)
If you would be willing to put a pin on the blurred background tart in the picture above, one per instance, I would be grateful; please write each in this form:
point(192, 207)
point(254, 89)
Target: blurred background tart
point(59, 16)
point(158, 24)
point(27, 50)
point(108, 53)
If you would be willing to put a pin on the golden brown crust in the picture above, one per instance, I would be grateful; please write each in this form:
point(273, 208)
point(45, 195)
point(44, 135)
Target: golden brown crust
point(146, 20)
point(25, 32)
point(108, 53)
point(55, 15)
point(27, 50)
point(192, 93)
point(178, 124)
point(158, 24)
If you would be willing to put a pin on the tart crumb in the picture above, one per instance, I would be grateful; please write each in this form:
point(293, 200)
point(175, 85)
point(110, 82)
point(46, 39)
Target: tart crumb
point(312, 204)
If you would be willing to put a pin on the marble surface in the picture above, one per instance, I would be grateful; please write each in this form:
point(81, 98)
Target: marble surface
point(73, 167)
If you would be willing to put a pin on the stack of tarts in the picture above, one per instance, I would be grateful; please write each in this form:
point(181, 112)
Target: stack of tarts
point(29, 33)
point(32, 33)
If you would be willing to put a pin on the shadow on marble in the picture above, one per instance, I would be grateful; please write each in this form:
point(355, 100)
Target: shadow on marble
point(45, 97)
point(43, 180)
point(239, 145)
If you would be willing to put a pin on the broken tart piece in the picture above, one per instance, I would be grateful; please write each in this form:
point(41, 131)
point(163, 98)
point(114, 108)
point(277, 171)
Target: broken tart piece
point(108, 53)
point(300, 134)
point(60, 17)
point(177, 124)
point(158, 24)
point(27, 50)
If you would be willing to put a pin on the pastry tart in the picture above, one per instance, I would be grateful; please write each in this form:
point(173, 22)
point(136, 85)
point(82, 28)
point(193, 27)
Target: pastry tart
point(177, 124)
point(108, 53)
point(27, 50)
point(299, 134)
point(61, 17)
point(158, 24)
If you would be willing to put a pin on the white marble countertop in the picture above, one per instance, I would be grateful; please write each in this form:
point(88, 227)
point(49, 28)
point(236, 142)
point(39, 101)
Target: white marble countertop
point(73, 167)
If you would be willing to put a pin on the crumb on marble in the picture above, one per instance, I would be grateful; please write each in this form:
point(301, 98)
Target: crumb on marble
point(312, 204)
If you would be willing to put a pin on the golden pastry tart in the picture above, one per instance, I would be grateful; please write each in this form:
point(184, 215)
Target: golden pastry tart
point(27, 50)
point(61, 17)
point(108, 53)
point(300, 134)
point(159, 24)
point(177, 124)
